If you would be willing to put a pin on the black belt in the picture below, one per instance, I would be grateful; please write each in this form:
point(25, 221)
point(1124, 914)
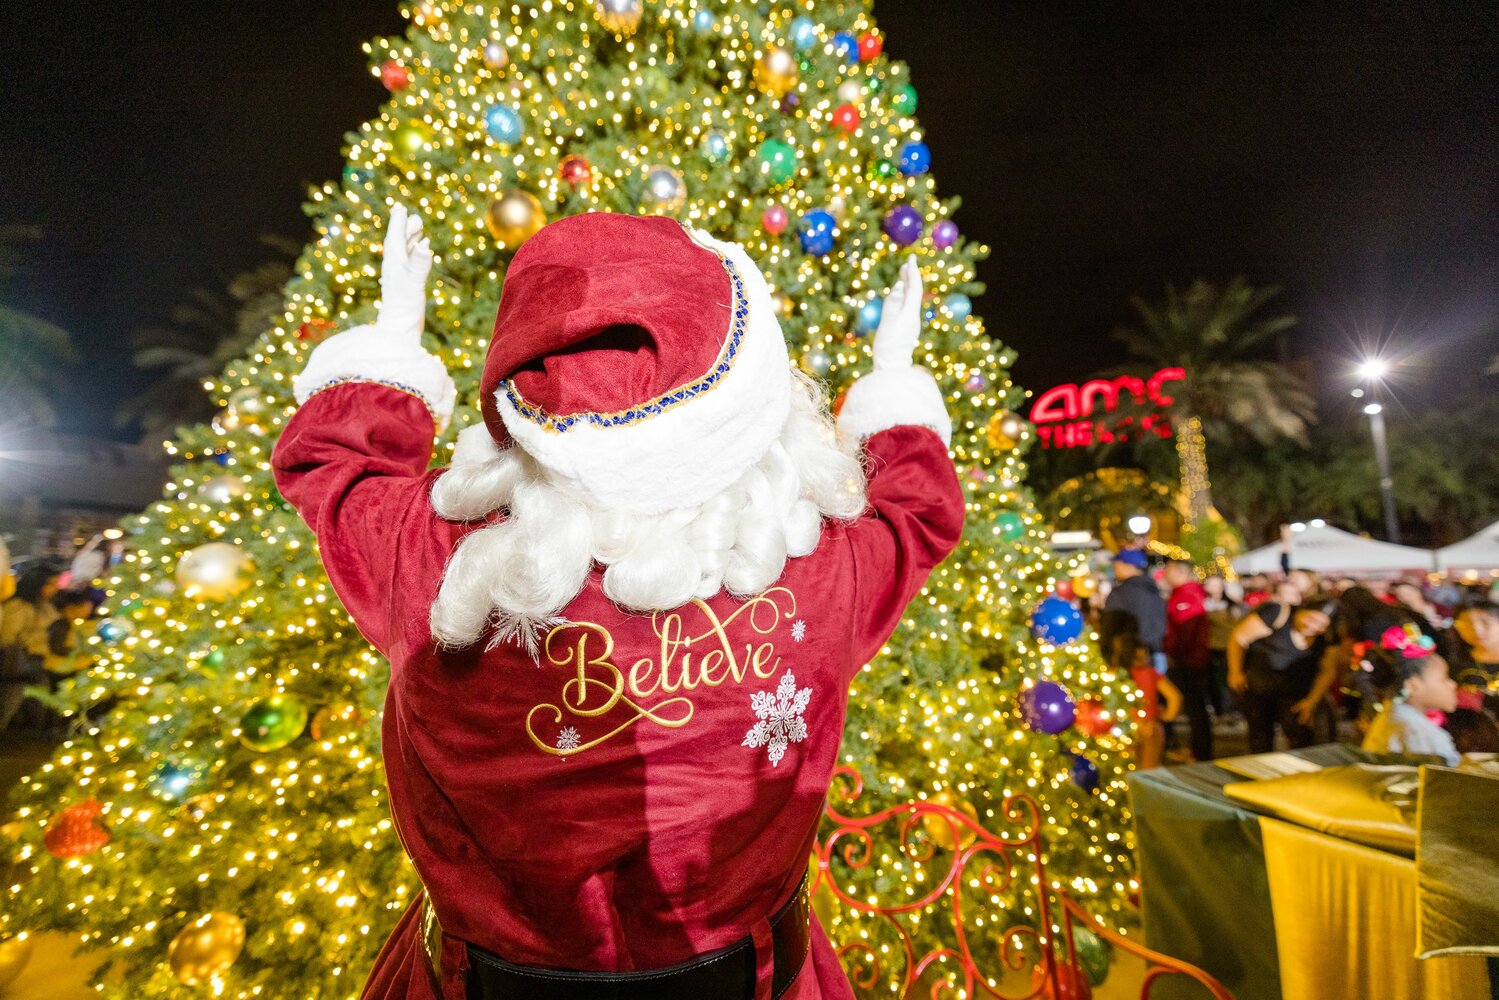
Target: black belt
point(725, 974)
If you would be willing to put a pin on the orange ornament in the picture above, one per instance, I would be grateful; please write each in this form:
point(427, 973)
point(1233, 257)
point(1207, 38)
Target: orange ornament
point(76, 831)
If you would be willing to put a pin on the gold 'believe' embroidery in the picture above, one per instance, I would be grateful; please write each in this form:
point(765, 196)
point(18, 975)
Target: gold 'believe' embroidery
point(599, 686)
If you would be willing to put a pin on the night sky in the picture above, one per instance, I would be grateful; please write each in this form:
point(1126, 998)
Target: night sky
point(1348, 153)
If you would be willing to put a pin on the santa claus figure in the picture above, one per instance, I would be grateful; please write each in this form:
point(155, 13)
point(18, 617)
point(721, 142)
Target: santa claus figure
point(622, 625)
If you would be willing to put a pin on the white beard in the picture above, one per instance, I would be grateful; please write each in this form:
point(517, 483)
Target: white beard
point(514, 578)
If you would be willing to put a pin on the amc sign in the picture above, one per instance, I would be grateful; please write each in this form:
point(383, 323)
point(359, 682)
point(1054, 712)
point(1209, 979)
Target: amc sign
point(1070, 416)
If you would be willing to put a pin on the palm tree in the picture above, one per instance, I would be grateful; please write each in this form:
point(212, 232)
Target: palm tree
point(1218, 337)
point(205, 332)
point(33, 351)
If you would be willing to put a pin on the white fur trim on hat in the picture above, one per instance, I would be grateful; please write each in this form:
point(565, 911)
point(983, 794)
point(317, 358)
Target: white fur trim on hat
point(688, 452)
point(364, 354)
point(891, 397)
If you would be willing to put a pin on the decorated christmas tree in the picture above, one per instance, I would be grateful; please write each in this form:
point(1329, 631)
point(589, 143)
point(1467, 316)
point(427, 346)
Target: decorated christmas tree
point(220, 817)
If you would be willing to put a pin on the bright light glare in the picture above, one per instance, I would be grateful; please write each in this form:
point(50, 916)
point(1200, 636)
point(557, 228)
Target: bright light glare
point(1373, 408)
point(1140, 524)
point(1374, 369)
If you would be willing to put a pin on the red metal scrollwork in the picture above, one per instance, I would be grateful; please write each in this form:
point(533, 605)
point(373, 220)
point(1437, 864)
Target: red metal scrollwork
point(985, 861)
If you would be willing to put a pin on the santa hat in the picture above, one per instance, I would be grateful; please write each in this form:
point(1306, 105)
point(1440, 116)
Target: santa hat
point(638, 359)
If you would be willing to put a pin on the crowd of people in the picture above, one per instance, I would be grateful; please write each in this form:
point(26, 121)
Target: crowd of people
point(1403, 666)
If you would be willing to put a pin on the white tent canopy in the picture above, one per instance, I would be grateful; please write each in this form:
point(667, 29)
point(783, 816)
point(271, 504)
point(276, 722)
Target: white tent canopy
point(1481, 551)
point(1332, 550)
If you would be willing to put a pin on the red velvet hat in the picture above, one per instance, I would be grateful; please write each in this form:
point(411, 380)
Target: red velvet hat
point(637, 358)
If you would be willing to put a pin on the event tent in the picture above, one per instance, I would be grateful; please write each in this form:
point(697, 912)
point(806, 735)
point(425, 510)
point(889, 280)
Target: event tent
point(1332, 550)
point(1481, 551)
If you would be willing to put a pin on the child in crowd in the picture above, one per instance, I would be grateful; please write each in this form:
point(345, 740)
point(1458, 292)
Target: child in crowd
point(1412, 679)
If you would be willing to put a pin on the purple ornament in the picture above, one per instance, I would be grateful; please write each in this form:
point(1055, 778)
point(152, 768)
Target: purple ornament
point(944, 234)
point(788, 102)
point(904, 225)
point(976, 383)
point(1047, 707)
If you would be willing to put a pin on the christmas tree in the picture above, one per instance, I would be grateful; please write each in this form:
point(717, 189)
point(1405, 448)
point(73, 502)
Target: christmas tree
point(220, 816)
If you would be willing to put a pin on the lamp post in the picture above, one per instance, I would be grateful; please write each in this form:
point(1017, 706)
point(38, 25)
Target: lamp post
point(1373, 372)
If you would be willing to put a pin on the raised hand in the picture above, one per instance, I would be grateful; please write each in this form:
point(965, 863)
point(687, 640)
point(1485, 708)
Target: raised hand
point(900, 321)
point(403, 275)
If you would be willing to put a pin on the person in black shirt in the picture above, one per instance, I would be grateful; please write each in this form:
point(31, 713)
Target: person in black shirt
point(1278, 665)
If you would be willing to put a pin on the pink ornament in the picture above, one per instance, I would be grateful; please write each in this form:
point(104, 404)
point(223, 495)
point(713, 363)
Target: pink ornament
point(394, 75)
point(775, 220)
point(976, 383)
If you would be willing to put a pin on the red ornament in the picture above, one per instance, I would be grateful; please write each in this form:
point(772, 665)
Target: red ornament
point(870, 46)
point(1064, 589)
point(76, 830)
point(1092, 718)
point(394, 75)
point(1070, 985)
point(315, 329)
point(846, 117)
point(775, 220)
point(575, 170)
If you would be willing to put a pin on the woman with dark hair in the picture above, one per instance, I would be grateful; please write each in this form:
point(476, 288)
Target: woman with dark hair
point(24, 621)
point(1475, 654)
point(1411, 679)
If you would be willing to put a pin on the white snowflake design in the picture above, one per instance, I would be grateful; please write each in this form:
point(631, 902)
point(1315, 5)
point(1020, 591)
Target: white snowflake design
point(780, 715)
point(569, 739)
point(798, 630)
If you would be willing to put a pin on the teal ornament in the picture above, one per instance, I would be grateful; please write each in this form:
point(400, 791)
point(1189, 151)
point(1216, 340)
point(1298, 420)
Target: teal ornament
point(959, 306)
point(904, 99)
point(702, 21)
point(868, 319)
point(172, 782)
point(803, 34)
point(503, 124)
point(112, 630)
point(1093, 954)
point(819, 362)
point(1009, 525)
point(716, 148)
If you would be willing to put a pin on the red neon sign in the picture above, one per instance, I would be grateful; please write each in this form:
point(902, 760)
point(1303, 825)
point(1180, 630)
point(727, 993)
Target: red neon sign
point(1067, 416)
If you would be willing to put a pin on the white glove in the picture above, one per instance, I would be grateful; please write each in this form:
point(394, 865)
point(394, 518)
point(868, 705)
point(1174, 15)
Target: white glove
point(900, 320)
point(403, 276)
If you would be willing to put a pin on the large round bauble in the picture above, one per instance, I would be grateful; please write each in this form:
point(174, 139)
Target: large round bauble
point(775, 219)
point(844, 45)
point(619, 16)
point(776, 71)
point(14, 954)
point(903, 225)
point(914, 159)
point(944, 234)
point(514, 217)
point(575, 171)
point(1047, 707)
point(870, 46)
point(904, 99)
point(1005, 430)
point(942, 828)
point(503, 124)
point(1092, 718)
point(1083, 772)
point(272, 723)
point(778, 161)
point(846, 118)
point(206, 948)
point(214, 572)
point(665, 191)
point(1093, 954)
point(1009, 525)
point(959, 306)
point(716, 147)
point(172, 781)
point(1056, 622)
point(223, 489)
point(408, 143)
point(494, 54)
point(394, 75)
point(868, 319)
point(816, 231)
point(336, 722)
point(803, 33)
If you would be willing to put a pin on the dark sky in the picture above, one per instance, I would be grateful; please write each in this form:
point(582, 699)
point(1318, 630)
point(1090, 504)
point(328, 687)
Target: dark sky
point(1347, 152)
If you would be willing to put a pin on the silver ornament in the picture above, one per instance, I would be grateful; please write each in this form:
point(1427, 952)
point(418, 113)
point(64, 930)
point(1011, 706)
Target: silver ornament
point(665, 190)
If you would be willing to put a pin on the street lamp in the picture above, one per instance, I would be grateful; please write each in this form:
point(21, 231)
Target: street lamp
point(1373, 371)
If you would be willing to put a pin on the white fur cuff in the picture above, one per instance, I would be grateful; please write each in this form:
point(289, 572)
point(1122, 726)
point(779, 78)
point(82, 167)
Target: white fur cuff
point(364, 354)
point(892, 397)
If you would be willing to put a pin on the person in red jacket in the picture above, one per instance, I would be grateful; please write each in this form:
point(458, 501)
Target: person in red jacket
point(1189, 650)
point(621, 627)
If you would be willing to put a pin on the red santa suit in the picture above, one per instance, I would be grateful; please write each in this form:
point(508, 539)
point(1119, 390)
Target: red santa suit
point(645, 791)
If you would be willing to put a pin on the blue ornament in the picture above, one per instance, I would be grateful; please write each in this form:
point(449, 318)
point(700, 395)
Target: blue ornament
point(816, 231)
point(221, 457)
point(959, 306)
point(928, 314)
point(915, 158)
point(503, 124)
point(869, 315)
point(1056, 622)
point(845, 46)
point(172, 782)
point(114, 629)
point(716, 147)
point(1084, 772)
point(702, 21)
point(803, 33)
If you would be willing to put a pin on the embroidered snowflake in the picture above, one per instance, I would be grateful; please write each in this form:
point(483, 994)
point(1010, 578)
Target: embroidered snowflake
point(569, 739)
point(798, 630)
point(780, 715)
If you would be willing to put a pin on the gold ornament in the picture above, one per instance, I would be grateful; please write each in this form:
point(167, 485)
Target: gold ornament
point(14, 954)
point(782, 302)
point(494, 54)
point(665, 191)
point(940, 829)
point(1084, 584)
point(214, 572)
point(1005, 430)
point(619, 16)
point(408, 143)
point(337, 722)
point(776, 71)
point(222, 489)
point(206, 947)
point(515, 217)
